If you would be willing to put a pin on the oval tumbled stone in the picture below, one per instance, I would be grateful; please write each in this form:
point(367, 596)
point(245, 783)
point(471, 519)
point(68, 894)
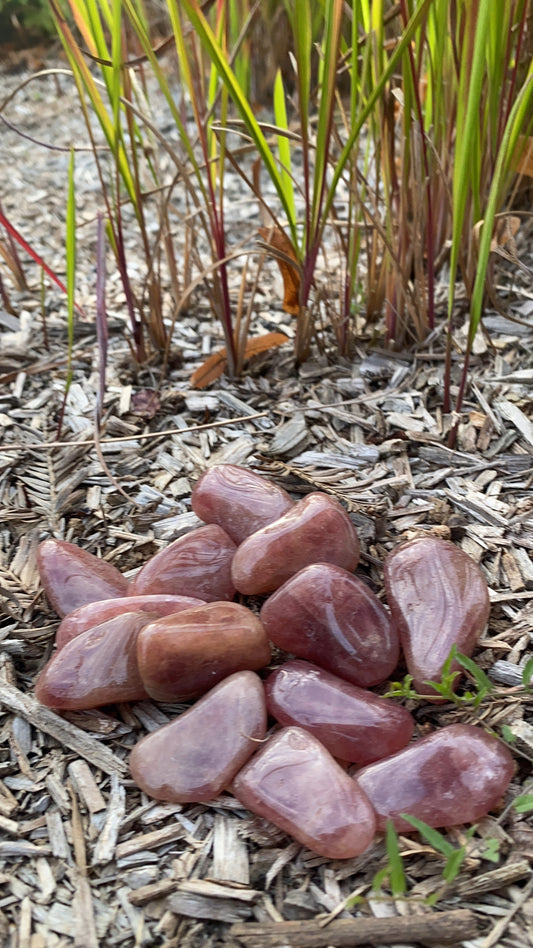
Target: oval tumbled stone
point(98, 667)
point(294, 782)
point(330, 617)
point(238, 500)
point(315, 529)
point(96, 612)
point(456, 775)
point(352, 723)
point(438, 597)
point(197, 564)
point(72, 577)
point(194, 757)
point(184, 655)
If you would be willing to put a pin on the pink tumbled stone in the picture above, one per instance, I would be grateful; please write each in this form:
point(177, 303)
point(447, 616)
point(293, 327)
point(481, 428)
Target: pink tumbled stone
point(353, 724)
point(184, 655)
point(438, 597)
point(197, 755)
point(294, 782)
point(330, 617)
point(96, 612)
point(98, 667)
point(315, 529)
point(197, 564)
point(456, 775)
point(240, 501)
point(72, 577)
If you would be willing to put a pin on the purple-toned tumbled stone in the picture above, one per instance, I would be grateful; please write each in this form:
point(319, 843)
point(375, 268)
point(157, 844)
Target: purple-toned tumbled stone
point(456, 775)
point(197, 755)
point(197, 564)
point(352, 723)
point(295, 782)
point(330, 617)
point(240, 501)
point(72, 577)
point(96, 612)
point(317, 529)
point(438, 597)
point(98, 667)
point(184, 655)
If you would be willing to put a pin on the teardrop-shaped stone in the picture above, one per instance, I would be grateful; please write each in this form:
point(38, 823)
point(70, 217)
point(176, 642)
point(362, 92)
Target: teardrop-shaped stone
point(197, 564)
point(317, 529)
point(240, 501)
point(438, 597)
point(96, 612)
point(330, 617)
point(98, 667)
point(72, 577)
point(294, 782)
point(197, 755)
point(184, 655)
point(352, 723)
point(456, 775)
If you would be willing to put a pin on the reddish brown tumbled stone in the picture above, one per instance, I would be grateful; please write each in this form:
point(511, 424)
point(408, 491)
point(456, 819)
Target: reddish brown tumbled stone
point(197, 755)
point(315, 529)
point(184, 655)
point(72, 577)
point(456, 775)
point(197, 564)
point(240, 501)
point(294, 782)
point(330, 617)
point(98, 667)
point(96, 612)
point(438, 597)
point(352, 723)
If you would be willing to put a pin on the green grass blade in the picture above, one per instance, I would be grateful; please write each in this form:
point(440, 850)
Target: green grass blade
point(431, 835)
point(284, 148)
point(71, 263)
point(397, 878)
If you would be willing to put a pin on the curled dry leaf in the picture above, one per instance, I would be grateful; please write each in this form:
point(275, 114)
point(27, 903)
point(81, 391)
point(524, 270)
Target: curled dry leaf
point(276, 238)
point(215, 365)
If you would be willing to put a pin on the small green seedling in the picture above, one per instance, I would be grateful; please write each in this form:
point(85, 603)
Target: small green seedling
point(445, 687)
point(527, 674)
point(454, 856)
point(394, 868)
point(524, 803)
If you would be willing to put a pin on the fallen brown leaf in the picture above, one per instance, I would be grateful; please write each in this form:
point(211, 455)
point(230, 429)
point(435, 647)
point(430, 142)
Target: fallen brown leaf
point(215, 365)
point(276, 238)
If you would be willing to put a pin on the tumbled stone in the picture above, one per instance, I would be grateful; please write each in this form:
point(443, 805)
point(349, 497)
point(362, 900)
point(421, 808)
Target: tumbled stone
point(72, 577)
point(317, 529)
point(295, 782)
point(438, 597)
point(194, 757)
point(98, 667)
point(184, 655)
point(238, 500)
point(197, 564)
point(456, 775)
point(96, 612)
point(353, 724)
point(330, 617)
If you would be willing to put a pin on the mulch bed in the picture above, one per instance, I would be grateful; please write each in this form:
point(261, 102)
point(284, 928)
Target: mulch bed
point(85, 857)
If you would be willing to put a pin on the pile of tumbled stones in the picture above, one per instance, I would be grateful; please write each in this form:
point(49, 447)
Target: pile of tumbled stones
point(338, 763)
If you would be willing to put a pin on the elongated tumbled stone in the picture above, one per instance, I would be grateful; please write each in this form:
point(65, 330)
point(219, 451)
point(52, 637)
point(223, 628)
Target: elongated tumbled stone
point(184, 655)
point(438, 597)
point(317, 529)
point(197, 755)
point(456, 775)
point(72, 577)
point(96, 612)
point(197, 564)
point(352, 723)
point(294, 782)
point(240, 501)
point(330, 617)
point(98, 667)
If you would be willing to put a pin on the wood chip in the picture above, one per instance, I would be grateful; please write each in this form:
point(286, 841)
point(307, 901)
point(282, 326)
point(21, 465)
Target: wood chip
point(446, 928)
